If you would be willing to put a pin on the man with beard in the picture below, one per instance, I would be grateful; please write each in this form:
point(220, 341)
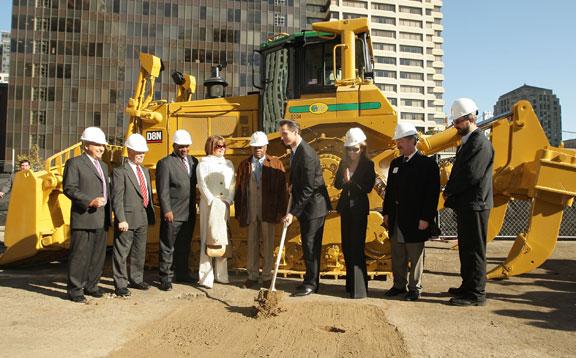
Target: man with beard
point(469, 193)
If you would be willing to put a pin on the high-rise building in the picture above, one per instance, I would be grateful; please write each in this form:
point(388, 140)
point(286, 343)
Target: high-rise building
point(407, 41)
point(75, 62)
point(4, 56)
point(545, 103)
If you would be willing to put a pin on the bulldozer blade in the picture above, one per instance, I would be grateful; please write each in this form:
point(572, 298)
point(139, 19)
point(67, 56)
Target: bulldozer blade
point(532, 249)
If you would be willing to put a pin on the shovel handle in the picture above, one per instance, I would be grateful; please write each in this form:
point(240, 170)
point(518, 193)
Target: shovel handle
point(282, 239)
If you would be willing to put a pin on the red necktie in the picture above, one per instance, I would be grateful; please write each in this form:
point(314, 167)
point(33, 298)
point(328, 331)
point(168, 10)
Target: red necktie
point(143, 190)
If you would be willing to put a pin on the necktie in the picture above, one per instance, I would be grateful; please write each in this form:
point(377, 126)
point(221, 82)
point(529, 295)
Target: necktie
point(143, 190)
point(102, 177)
point(258, 171)
point(186, 165)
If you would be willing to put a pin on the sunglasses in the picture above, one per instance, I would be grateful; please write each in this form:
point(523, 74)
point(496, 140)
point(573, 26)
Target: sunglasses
point(220, 146)
point(352, 149)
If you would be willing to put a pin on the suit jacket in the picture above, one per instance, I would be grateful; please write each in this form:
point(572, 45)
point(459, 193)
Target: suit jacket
point(82, 184)
point(412, 192)
point(354, 194)
point(470, 182)
point(127, 200)
point(310, 198)
point(274, 190)
point(175, 188)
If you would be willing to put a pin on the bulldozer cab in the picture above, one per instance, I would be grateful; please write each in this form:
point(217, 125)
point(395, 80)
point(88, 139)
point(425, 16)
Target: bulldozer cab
point(307, 64)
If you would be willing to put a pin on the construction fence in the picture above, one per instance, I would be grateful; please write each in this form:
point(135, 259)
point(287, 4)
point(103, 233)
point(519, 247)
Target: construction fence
point(516, 221)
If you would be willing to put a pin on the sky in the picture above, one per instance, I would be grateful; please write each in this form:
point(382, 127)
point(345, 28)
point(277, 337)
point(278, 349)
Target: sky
point(494, 46)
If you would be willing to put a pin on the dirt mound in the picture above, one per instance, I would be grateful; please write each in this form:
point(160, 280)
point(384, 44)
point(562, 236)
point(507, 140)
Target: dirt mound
point(207, 328)
point(268, 304)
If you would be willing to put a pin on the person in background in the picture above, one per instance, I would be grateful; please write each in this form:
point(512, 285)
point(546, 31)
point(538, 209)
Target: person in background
point(24, 165)
point(260, 201)
point(216, 182)
point(469, 193)
point(176, 190)
point(356, 178)
point(409, 211)
point(86, 184)
point(133, 212)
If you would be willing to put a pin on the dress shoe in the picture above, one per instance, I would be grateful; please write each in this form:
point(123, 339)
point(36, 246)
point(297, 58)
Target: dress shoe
point(165, 286)
point(249, 283)
point(456, 290)
point(412, 296)
point(96, 293)
point(122, 292)
point(78, 299)
point(140, 286)
point(304, 291)
point(395, 292)
point(467, 301)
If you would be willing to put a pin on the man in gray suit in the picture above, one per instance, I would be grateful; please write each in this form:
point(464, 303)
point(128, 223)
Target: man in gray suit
point(176, 189)
point(134, 211)
point(86, 184)
point(469, 193)
point(310, 202)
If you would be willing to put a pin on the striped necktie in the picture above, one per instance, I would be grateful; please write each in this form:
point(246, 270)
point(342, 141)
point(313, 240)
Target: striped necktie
point(143, 190)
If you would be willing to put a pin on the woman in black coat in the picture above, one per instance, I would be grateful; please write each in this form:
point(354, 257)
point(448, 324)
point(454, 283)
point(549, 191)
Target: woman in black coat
point(356, 178)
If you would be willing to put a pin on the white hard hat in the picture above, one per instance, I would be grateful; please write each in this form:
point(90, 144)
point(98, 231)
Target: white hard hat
point(182, 137)
point(404, 130)
point(258, 139)
point(353, 137)
point(462, 107)
point(94, 135)
point(137, 143)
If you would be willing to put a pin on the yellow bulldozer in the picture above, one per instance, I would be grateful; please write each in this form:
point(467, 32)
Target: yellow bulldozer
point(324, 80)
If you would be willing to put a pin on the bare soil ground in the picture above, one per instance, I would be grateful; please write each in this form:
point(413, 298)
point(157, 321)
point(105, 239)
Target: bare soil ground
point(529, 316)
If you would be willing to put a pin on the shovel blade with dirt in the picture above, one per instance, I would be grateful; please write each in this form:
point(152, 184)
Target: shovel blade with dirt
point(268, 300)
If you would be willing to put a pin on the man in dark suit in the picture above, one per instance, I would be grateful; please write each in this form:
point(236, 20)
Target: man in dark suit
point(86, 184)
point(469, 193)
point(409, 211)
point(176, 189)
point(310, 202)
point(134, 211)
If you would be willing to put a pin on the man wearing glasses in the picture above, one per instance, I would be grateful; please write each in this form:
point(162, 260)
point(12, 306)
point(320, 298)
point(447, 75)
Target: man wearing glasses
point(469, 193)
point(260, 200)
point(409, 211)
point(176, 189)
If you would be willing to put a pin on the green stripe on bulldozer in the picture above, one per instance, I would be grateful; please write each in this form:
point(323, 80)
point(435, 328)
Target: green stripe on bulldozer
point(338, 107)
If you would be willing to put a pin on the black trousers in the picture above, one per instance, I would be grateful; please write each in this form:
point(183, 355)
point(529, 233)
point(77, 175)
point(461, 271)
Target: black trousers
point(86, 260)
point(129, 243)
point(175, 241)
point(311, 231)
point(472, 229)
point(353, 234)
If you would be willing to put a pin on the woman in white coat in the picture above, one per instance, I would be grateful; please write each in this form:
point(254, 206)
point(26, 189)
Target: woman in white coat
point(216, 181)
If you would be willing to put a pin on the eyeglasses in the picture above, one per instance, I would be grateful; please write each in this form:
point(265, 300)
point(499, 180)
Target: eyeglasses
point(220, 146)
point(353, 149)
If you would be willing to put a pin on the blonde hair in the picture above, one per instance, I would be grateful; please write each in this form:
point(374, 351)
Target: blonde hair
point(211, 143)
